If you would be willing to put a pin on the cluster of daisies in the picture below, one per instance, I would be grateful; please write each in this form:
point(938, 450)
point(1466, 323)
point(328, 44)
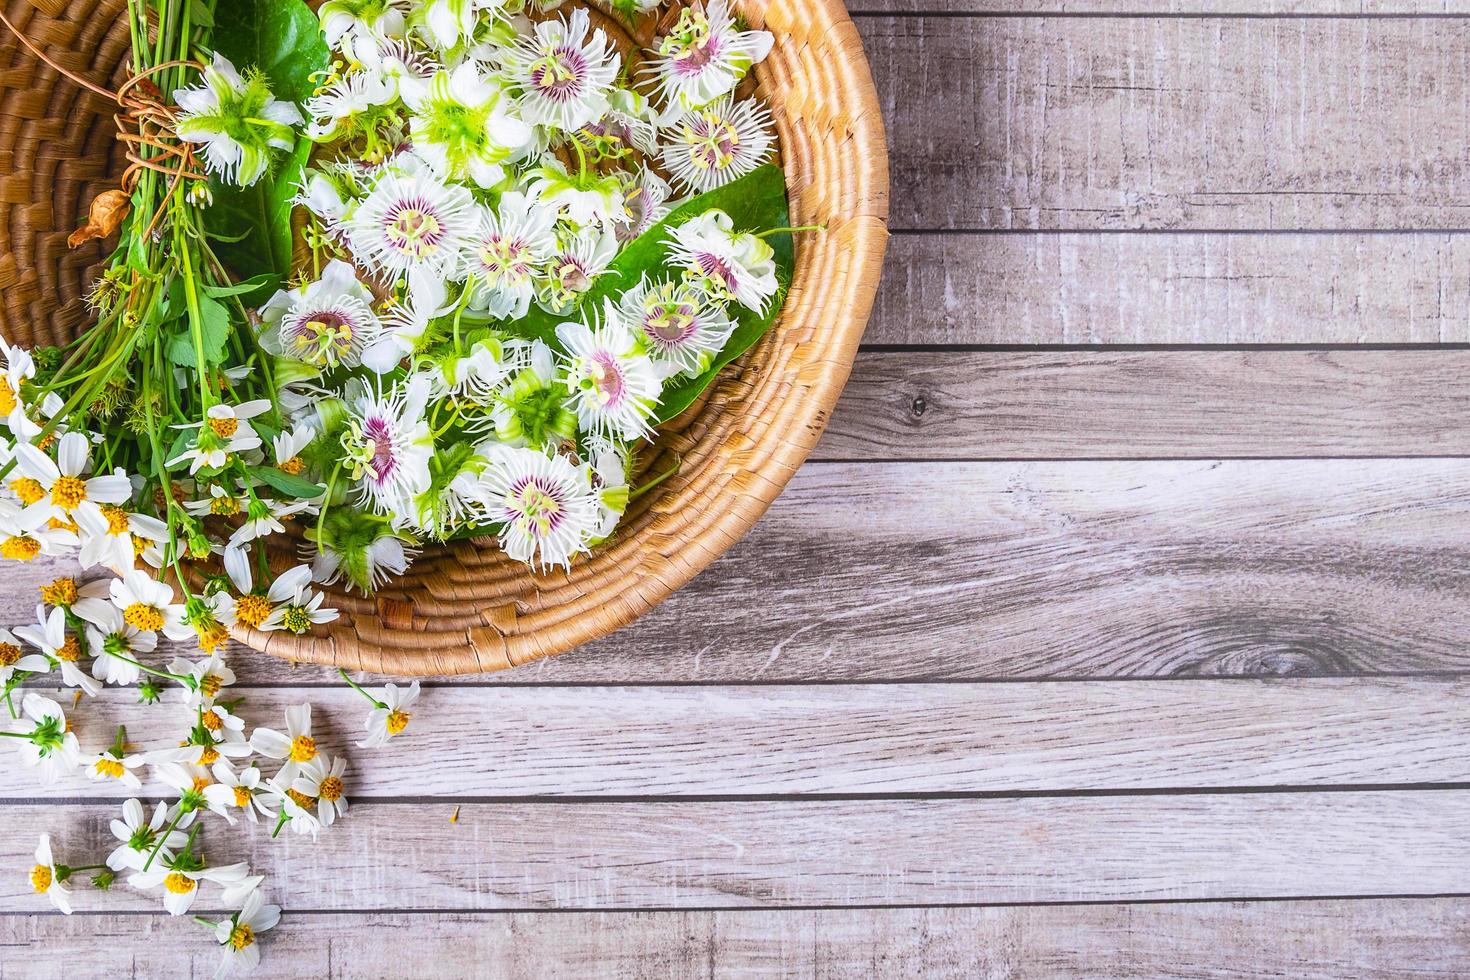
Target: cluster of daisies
point(213, 767)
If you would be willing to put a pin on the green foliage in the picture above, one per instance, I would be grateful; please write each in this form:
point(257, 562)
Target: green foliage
point(214, 333)
point(291, 486)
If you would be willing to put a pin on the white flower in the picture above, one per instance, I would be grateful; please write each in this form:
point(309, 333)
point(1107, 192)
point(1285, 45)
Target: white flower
point(465, 126)
point(237, 120)
point(335, 109)
point(207, 678)
point(24, 535)
point(323, 198)
point(116, 647)
point(739, 266)
point(226, 430)
point(114, 765)
point(368, 567)
point(389, 445)
point(532, 409)
point(263, 517)
point(181, 883)
point(411, 222)
point(287, 446)
point(501, 261)
point(644, 205)
point(391, 716)
point(45, 879)
point(12, 659)
point(326, 324)
point(610, 465)
point(402, 70)
point(139, 838)
point(299, 608)
point(239, 935)
point(20, 368)
point(574, 268)
point(407, 321)
point(48, 746)
point(704, 56)
point(251, 609)
point(546, 505)
point(116, 538)
point(683, 327)
point(564, 77)
point(611, 383)
point(284, 799)
point(147, 605)
point(373, 18)
point(296, 745)
point(69, 491)
point(321, 778)
point(711, 146)
point(446, 22)
point(237, 791)
point(584, 199)
point(49, 635)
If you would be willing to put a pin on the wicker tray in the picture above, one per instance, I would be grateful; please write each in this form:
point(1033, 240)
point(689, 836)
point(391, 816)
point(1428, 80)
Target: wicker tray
point(463, 608)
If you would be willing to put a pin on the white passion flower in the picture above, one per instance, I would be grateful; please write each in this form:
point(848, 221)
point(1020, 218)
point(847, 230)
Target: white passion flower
point(466, 127)
point(736, 266)
point(644, 205)
point(682, 325)
point(388, 445)
point(705, 55)
point(410, 222)
point(574, 268)
point(589, 198)
point(511, 242)
point(612, 384)
point(345, 106)
point(326, 324)
point(237, 120)
point(564, 76)
point(714, 145)
point(445, 23)
point(362, 18)
point(367, 554)
point(545, 503)
point(406, 321)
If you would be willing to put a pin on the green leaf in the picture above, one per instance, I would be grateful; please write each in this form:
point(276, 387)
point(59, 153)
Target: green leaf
point(239, 288)
point(291, 486)
point(755, 202)
point(280, 37)
point(214, 334)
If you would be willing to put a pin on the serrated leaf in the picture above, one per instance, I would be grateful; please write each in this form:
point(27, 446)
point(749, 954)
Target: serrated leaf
point(291, 486)
point(214, 334)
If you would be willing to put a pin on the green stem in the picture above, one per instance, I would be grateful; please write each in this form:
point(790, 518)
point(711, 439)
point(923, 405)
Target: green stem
point(358, 688)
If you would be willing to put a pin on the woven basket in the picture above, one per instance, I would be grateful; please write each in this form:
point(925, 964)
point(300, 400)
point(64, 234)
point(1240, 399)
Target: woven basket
point(463, 607)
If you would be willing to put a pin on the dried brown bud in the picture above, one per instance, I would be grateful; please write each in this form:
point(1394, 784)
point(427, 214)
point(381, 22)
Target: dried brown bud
point(107, 212)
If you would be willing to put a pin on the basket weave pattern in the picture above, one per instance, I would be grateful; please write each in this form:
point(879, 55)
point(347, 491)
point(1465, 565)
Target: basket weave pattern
point(464, 607)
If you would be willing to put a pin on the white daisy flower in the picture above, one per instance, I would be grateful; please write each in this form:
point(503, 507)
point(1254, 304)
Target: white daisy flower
point(180, 881)
point(371, 18)
point(293, 809)
point(47, 747)
point(683, 327)
point(286, 447)
point(50, 636)
point(411, 222)
point(711, 146)
point(239, 935)
point(14, 659)
point(69, 491)
point(612, 384)
point(739, 266)
point(188, 781)
point(300, 609)
point(28, 534)
point(237, 120)
point(45, 878)
point(563, 75)
point(222, 501)
point(704, 56)
point(574, 268)
point(139, 837)
point(117, 647)
point(390, 714)
point(205, 748)
point(207, 678)
point(295, 745)
point(147, 605)
point(225, 431)
point(545, 503)
point(20, 368)
point(389, 445)
point(264, 517)
point(114, 765)
point(241, 791)
point(321, 779)
point(251, 609)
point(116, 538)
point(466, 127)
point(326, 324)
point(511, 242)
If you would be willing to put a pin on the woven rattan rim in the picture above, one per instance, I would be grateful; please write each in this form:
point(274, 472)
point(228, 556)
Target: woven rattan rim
point(463, 608)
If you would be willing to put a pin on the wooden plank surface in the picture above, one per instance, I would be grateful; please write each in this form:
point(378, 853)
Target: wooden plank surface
point(1306, 940)
point(785, 853)
point(856, 738)
point(1160, 9)
point(1197, 123)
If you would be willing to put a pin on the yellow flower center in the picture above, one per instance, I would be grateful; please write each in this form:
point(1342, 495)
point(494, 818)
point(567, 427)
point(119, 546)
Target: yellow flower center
point(296, 620)
point(212, 721)
point(242, 796)
point(70, 651)
point(397, 721)
point(210, 684)
point(224, 428)
point(62, 592)
point(23, 548)
point(40, 878)
point(241, 936)
point(303, 748)
point(142, 616)
point(209, 756)
point(179, 883)
point(56, 524)
point(294, 466)
point(110, 767)
point(9, 654)
point(224, 506)
point(301, 799)
point(330, 789)
point(45, 444)
point(212, 636)
point(117, 519)
point(7, 397)
point(251, 610)
point(201, 783)
point(29, 491)
point(68, 491)
point(140, 545)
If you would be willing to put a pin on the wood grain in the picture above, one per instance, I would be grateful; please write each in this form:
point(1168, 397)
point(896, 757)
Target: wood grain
point(1161, 8)
point(929, 404)
point(1306, 940)
point(1087, 123)
point(1045, 570)
point(1101, 288)
point(527, 856)
point(864, 739)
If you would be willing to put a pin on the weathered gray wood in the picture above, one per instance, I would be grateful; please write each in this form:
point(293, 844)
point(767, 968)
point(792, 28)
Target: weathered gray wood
point(1101, 288)
point(856, 738)
point(1309, 940)
point(1188, 123)
point(809, 853)
point(1035, 570)
point(1121, 403)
